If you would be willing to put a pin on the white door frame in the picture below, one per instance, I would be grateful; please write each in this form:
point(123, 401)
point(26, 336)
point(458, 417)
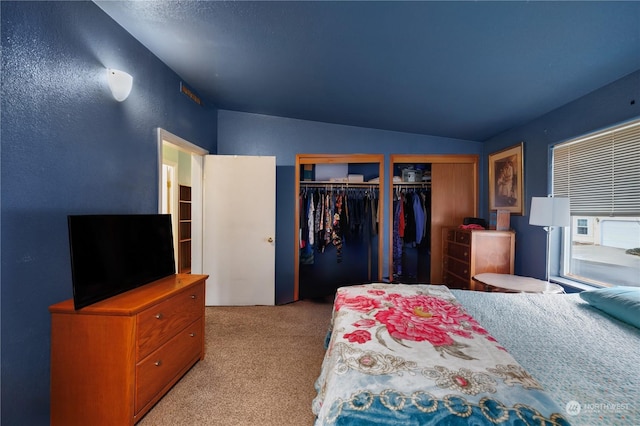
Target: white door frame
point(197, 164)
point(170, 206)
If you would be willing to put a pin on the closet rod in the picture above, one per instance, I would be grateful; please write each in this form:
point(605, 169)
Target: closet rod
point(398, 185)
point(340, 185)
point(336, 183)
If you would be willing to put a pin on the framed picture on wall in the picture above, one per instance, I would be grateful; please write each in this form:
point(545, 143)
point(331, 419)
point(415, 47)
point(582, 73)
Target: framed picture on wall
point(506, 180)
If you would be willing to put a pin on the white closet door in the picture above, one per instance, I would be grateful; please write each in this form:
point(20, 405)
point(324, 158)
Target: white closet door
point(239, 219)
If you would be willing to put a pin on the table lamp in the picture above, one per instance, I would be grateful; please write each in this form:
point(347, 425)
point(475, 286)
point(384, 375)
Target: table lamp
point(549, 212)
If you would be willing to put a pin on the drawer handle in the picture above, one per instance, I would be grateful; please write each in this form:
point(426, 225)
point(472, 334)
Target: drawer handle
point(466, 254)
point(158, 363)
point(193, 296)
point(192, 334)
point(159, 315)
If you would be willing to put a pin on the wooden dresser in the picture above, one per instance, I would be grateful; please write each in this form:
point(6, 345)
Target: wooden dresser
point(113, 360)
point(470, 252)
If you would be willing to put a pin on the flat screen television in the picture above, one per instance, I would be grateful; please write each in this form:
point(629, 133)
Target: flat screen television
point(111, 254)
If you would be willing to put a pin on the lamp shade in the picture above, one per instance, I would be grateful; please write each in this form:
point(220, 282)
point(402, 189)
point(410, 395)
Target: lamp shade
point(120, 84)
point(550, 211)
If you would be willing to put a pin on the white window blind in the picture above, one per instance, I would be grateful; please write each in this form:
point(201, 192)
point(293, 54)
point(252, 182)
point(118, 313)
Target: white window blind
point(600, 173)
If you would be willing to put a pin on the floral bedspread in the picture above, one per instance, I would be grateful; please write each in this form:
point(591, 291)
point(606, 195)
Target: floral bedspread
point(411, 355)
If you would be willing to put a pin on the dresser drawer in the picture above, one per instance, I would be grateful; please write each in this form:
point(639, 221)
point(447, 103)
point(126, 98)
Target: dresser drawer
point(463, 237)
point(458, 268)
point(458, 251)
point(159, 323)
point(162, 367)
point(451, 235)
point(452, 281)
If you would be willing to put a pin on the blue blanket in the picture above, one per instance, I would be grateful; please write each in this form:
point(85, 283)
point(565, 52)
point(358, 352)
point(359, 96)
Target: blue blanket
point(585, 359)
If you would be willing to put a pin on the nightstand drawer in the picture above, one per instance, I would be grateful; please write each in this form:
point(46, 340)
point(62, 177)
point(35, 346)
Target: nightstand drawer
point(159, 323)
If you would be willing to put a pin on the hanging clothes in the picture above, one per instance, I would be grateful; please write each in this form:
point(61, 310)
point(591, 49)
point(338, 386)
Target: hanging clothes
point(411, 230)
point(418, 213)
point(375, 214)
point(306, 229)
point(398, 233)
point(336, 235)
point(319, 219)
point(311, 220)
point(409, 219)
point(333, 216)
point(328, 220)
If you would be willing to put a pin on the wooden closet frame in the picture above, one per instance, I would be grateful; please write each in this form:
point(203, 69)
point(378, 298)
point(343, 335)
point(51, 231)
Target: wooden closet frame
point(302, 159)
point(436, 234)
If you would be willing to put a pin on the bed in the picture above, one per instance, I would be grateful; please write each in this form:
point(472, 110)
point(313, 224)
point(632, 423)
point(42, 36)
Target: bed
point(420, 354)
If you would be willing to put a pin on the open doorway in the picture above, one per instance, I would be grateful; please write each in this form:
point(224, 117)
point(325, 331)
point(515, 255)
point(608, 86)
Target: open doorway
point(180, 194)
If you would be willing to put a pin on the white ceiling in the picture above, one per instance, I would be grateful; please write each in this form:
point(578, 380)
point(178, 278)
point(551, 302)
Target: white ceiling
point(466, 70)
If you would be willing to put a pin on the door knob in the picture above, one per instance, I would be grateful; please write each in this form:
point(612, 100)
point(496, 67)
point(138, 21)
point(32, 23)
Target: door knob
point(270, 239)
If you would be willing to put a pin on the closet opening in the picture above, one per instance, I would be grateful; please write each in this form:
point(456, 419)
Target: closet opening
point(339, 222)
point(447, 188)
point(411, 232)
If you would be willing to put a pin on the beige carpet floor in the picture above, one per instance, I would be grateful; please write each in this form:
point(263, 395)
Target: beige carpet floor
point(260, 366)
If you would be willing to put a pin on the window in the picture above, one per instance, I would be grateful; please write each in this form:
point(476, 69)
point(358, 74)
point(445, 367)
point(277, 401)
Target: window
point(583, 227)
point(600, 173)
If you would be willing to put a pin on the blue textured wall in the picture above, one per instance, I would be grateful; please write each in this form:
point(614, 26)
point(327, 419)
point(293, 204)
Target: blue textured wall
point(254, 134)
point(602, 108)
point(67, 148)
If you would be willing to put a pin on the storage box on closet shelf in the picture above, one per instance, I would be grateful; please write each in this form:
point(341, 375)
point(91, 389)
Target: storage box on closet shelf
point(411, 175)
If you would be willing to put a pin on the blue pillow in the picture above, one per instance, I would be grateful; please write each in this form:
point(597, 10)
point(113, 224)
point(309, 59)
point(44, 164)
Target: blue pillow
point(620, 302)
